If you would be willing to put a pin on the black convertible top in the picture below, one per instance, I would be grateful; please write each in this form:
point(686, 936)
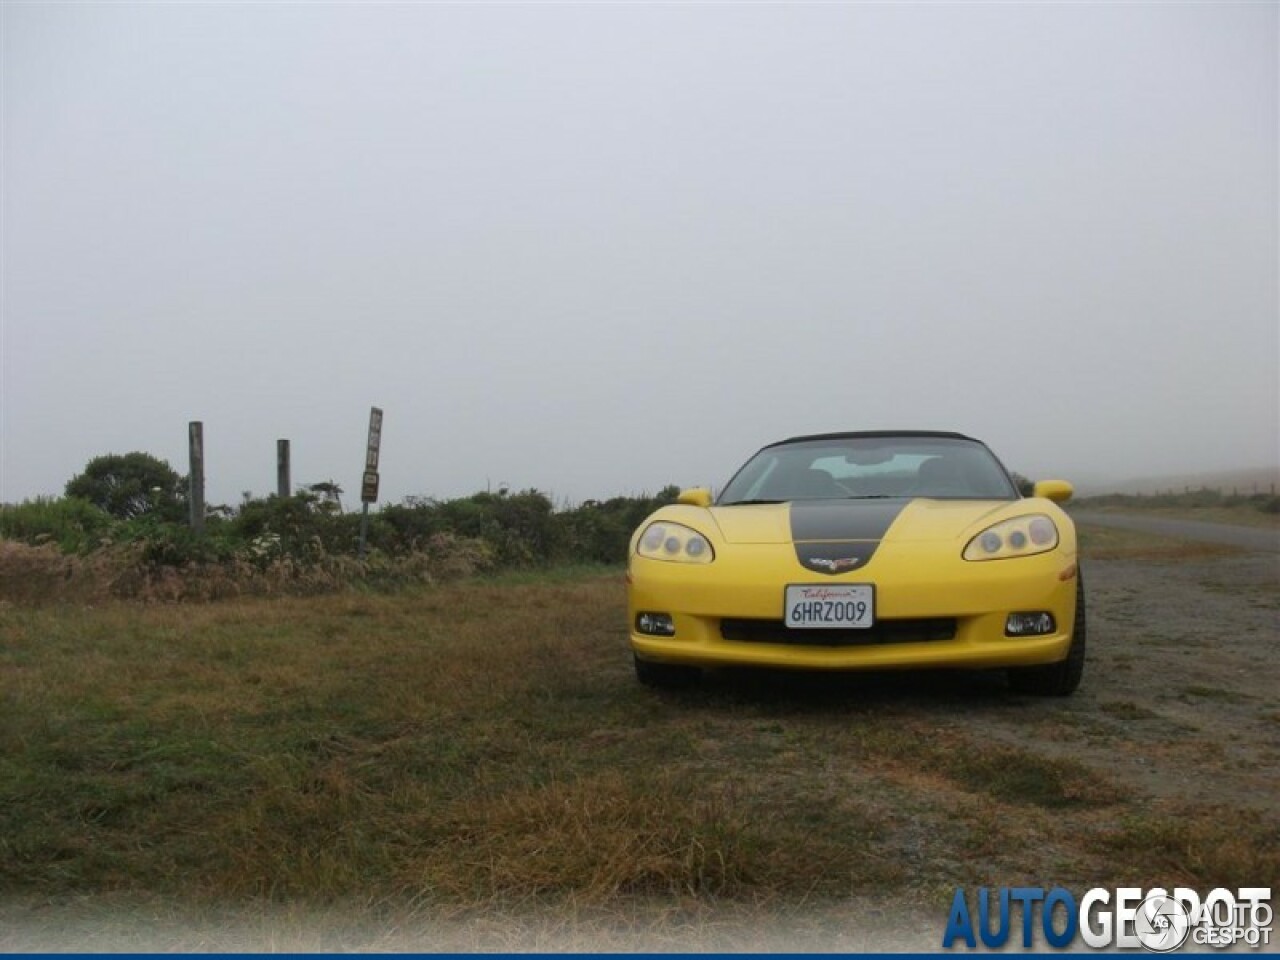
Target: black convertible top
point(865, 434)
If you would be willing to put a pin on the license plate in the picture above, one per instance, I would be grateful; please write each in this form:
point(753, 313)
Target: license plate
point(812, 606)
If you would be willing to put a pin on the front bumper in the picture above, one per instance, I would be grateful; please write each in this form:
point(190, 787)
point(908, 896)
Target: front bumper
point(912, 584)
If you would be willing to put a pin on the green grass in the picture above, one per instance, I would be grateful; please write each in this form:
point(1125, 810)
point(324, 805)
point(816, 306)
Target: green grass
point(1110, 543)
point(1016, 777)
point(1210, 506)
point(483, 746)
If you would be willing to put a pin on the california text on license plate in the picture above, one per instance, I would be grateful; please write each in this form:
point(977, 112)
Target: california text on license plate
point(812, 606)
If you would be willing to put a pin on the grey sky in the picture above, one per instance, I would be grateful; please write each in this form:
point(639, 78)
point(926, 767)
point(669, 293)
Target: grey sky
point(595, 249)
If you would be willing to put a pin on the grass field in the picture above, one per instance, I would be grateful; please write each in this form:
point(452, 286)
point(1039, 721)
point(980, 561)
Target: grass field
point(1245, 516)
point(1208, 507)
point(481, 750)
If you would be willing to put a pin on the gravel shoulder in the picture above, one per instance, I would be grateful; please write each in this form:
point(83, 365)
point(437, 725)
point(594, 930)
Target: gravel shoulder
point(1179, 698)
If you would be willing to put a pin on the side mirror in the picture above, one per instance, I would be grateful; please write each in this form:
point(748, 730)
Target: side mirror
point(695, 497)
point(1057, 490)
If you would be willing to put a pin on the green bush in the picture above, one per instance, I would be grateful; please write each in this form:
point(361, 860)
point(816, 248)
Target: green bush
point(600, 531)
point(305, 543)
point(523, 529)
point(302, 526)
point(73, 524)
point(175, 545)
point(131, 485)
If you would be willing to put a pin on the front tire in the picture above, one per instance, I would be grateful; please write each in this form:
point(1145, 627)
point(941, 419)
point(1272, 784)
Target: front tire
point(654, 674)
point(1062, 678)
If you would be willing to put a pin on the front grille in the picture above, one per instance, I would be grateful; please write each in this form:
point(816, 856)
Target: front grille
point(922, 630)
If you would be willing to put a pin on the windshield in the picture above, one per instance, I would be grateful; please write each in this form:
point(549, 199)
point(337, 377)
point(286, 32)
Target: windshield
point(943, 468)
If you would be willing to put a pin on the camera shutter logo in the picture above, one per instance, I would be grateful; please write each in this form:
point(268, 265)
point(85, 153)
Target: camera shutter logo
point(1161, 924)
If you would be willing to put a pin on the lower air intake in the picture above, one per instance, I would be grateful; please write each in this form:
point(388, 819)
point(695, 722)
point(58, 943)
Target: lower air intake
point(885, 631)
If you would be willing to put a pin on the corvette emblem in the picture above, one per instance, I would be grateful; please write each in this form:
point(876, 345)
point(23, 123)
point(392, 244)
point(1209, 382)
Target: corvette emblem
point(842, 563)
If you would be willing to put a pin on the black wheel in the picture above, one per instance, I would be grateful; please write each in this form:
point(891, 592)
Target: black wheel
point(654, 674)
point(1062, 678)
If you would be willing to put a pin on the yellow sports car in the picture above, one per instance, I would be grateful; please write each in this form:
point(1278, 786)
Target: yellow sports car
point(858, 551)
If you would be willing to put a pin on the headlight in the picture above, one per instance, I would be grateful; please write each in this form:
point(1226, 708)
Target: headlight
point(1020, 537)
point(672, 541)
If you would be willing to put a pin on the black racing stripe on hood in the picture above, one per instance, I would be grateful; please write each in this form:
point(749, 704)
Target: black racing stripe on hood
point(843, 519)
point(839, 536)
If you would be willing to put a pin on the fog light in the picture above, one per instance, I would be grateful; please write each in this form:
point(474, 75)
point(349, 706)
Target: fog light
point(655, 624)
point(1029, 624)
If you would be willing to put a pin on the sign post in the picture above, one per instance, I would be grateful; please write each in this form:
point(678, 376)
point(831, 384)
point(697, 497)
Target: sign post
point(369, 482)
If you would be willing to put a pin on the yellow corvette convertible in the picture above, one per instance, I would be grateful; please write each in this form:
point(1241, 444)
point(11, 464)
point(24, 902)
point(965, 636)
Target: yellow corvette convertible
point(861, 551)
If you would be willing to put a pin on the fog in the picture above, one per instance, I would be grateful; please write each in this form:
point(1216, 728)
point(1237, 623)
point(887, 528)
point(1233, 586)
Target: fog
point(594, 249)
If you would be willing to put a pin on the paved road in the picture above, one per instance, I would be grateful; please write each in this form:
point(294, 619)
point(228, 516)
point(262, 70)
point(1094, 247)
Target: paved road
point(1251, 538)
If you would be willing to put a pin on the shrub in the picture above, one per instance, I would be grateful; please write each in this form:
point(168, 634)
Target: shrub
point(600, 531)
point(74, 525)
point(163, 544)
point(301, 526)
point(130, 485)
point(304, 544)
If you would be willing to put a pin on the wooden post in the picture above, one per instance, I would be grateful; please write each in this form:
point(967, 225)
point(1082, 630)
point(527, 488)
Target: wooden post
point(195, 443)
point(283, 487)
point(369, 483)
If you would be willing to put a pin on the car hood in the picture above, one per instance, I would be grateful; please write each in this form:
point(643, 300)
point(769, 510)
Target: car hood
point(897, 520)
